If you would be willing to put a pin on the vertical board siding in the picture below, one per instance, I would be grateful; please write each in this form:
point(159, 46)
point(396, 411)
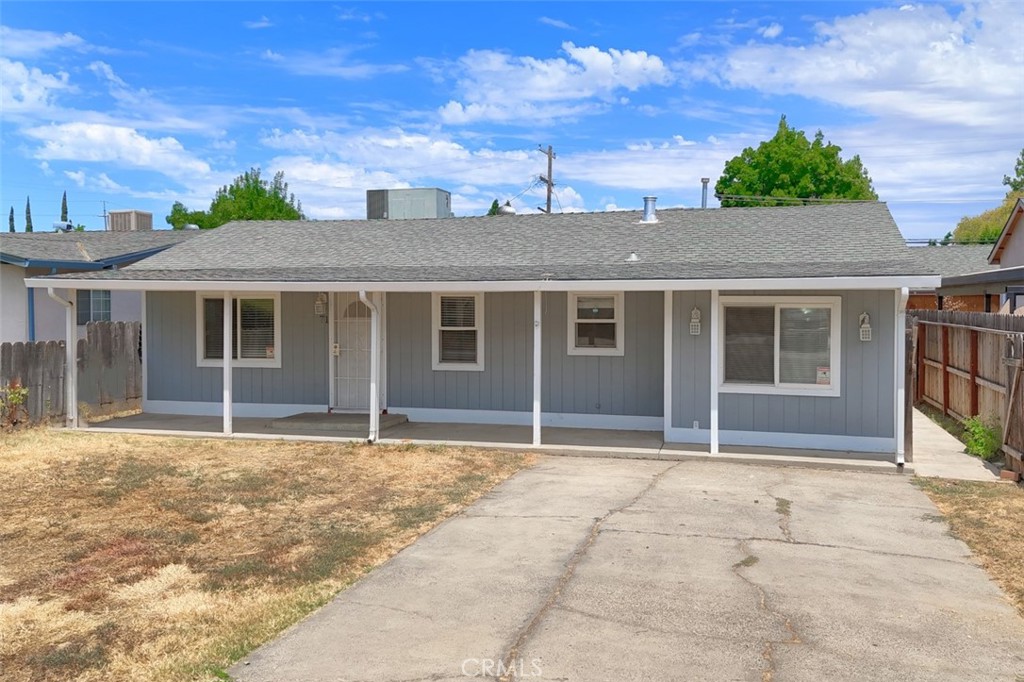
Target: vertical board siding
point(173, 374)
point(691, 361)
point(625, 385)
point(867, 374)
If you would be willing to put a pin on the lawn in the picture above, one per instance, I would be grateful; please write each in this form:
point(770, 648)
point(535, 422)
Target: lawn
point(136, 557)
point(988, 517)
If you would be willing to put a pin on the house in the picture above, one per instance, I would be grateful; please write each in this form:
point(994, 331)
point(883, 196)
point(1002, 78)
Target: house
point(950, 260)
point(1005, 277)
point(775, 326)
point(30, 314)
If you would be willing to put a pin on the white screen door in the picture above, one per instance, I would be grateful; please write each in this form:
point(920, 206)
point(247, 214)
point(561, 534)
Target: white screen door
point(352, 361)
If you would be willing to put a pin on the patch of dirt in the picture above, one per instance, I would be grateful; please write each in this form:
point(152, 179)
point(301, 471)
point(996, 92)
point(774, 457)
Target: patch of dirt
point(136, 557)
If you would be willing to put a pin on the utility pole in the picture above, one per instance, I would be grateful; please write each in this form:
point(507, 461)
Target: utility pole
point(549, 178)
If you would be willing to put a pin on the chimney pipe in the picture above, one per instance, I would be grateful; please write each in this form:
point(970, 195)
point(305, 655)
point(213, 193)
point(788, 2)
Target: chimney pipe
point(650, 216)
point(704, 192)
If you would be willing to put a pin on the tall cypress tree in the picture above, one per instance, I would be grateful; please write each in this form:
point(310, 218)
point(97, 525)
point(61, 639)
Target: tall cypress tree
point(64, 207)
point(10, 221)
point(28, 215)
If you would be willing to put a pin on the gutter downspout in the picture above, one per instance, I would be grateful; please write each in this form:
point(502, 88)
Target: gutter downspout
point(70, 358)
point(31, 314)
point(374, 367)
point(901, 297)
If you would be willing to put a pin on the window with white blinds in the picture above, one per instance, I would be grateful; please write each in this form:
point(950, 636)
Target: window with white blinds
point(458, 331)
point(255, 331)
point(595, 324)
point(788, 345)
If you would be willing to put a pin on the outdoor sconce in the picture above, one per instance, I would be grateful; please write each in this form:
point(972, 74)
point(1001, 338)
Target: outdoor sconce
point(865, 327)
point(695, 321)
point(320, 306)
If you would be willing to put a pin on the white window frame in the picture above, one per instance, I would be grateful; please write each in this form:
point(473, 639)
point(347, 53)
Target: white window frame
point(272, 363)
point(834, 303)
point(93, 294)
point(435, 333)
point(617, 320)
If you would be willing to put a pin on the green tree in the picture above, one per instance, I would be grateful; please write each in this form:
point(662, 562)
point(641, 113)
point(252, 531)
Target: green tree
point(791, 166)
point(1016, 183)
point(248, 197)
point(985, 227)
point(10, 221)
point(64, 207)
point(28, 215)
point(494, 208)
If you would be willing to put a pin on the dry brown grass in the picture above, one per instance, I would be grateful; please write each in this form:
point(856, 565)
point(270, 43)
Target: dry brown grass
point(134, 557)
point(987, 516)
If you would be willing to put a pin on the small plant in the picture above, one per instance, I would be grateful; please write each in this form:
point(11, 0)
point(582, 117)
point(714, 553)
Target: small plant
point(983, 438)
point(12, 404)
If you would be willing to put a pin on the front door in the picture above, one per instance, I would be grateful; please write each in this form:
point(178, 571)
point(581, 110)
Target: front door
point(352, 353)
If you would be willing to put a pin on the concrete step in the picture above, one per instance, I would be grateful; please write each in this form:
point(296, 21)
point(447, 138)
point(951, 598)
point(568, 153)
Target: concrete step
point(343, 423)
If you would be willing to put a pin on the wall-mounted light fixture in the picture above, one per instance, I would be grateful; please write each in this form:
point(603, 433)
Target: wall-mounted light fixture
point(695, 321)
point(320, 306)
point(865, 327)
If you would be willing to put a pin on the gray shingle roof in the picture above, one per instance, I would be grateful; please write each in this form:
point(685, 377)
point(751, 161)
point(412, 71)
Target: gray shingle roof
point(954, 259)
point(807, 241)
point(86, 247)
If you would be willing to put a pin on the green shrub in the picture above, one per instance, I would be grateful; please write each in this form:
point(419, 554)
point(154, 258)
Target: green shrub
point(984, 438)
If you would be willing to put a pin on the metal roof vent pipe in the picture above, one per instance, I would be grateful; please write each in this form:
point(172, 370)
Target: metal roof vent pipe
point(704, 192)
point(650, 215)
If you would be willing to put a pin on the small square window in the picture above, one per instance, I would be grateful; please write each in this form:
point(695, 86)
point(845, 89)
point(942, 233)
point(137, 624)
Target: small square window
point(595, 324)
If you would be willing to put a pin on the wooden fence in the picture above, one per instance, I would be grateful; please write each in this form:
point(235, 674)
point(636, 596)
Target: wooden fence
point(109, 371)
point(969, 364)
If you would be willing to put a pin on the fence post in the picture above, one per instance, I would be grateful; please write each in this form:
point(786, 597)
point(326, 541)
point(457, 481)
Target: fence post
point(908, 398)
point(945, 370)
point(922, 346)
point(974, 373)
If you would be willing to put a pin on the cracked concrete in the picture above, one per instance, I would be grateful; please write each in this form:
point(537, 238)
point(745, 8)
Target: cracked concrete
point(602, 569)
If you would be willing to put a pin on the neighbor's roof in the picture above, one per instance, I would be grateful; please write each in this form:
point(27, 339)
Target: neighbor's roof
point(1008, 229)
point(77, 250)
point(954, 259)
point(840, 240)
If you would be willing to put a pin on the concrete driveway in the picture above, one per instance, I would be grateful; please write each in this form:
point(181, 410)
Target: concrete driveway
point(604, 569)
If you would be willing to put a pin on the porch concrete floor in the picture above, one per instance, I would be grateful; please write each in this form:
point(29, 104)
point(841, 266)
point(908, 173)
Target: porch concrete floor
point(556, 440)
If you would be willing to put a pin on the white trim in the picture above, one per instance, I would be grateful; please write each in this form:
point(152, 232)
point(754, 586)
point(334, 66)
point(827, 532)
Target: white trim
point(715, 314)
point(332, 360)
point(513, 418)
point(228, 303)
point(619, 311)
point(537, 347)
point(669, 322)
point(383, 305)
point(901, 373)
point(374, 366)
point(268, 363)
point(144, 342)
point(435, 333)
point(833, 303)
point(734, 284)
point(213, 409)
point(796, 441)
point(680, 435)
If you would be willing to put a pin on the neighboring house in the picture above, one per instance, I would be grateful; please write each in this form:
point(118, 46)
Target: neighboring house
point(779, 326)
point(1007, 281)
point(31, 315)
point(951, 260)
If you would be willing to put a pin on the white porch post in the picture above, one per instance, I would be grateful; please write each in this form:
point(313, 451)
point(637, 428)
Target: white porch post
point(228, 349)
point(713, 315)
point(332, 359)
point(71, 349)
point(537, 310)
point(901, 373)
point(374, 366)
point(145, 353)
point(667, 366)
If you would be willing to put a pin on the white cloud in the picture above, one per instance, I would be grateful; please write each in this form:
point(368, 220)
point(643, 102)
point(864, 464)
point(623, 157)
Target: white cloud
point(262, 22)
point(771, 31)
point(77, 177)
point(95, 142)
point(25, 90)
point(557, 23)
point(20, 42)
point(334, 62)
point(44, 167)
point(543, 86)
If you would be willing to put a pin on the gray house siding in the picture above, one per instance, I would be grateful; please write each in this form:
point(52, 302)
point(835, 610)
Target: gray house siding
point(617, 385)
point(863, 408)
point(172, 373)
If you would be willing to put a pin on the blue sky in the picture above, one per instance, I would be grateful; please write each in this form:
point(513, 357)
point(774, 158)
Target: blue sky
point(140, 104)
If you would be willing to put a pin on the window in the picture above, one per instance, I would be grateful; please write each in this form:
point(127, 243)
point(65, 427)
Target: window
point(595, 324)
point(458, 322)
point(255, 336)
point(787, 345)
point(93, 306)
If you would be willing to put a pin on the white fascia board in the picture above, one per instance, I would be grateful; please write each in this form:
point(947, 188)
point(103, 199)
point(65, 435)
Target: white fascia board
point(776, 284)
